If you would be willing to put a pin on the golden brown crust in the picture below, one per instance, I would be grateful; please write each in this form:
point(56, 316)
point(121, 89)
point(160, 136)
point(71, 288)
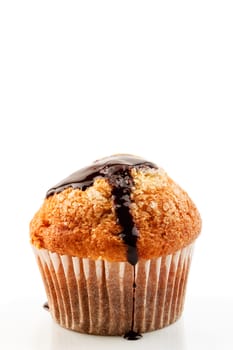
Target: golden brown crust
point(83, 223)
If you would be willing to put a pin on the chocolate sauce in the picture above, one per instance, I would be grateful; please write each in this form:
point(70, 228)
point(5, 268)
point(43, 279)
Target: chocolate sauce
point(122, 183)
point(46, 306)
point(117, 171)
point(104, 167)
point(131, 335)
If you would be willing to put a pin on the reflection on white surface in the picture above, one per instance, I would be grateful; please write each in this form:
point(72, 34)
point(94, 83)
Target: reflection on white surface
point(206, 324)
point(171, 337)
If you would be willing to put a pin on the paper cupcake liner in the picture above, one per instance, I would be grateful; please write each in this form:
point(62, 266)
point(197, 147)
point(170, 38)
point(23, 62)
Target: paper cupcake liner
point(97, 297)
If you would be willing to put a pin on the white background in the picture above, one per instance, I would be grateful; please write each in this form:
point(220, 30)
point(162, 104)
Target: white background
point(84, 79)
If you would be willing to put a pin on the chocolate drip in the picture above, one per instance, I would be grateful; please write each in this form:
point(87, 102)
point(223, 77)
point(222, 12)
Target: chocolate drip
point(131, 335)
point(85, 177)
point(46, 306)
point(122, 183)
point(117, 170)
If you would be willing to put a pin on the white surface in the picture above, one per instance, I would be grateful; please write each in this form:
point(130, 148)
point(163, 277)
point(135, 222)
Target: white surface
point(205, 324)
point(84, 79)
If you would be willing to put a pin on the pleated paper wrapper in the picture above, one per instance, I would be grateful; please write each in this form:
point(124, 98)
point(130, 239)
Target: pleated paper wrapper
point(96, 296)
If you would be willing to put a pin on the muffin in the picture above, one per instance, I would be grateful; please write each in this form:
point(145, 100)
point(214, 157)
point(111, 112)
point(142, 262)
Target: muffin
point(114, 243)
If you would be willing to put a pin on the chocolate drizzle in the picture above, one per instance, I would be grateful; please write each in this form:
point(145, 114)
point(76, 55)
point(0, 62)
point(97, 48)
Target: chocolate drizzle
point(117, 170)
point(131, 335)
point(104, 167)
point(122, 183)
point(46, 306)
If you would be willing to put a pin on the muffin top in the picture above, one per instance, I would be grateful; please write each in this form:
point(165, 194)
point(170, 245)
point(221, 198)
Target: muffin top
point(120, 208)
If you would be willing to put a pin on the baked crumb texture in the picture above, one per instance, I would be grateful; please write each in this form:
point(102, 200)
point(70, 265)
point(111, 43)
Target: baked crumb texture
point(83, 223)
